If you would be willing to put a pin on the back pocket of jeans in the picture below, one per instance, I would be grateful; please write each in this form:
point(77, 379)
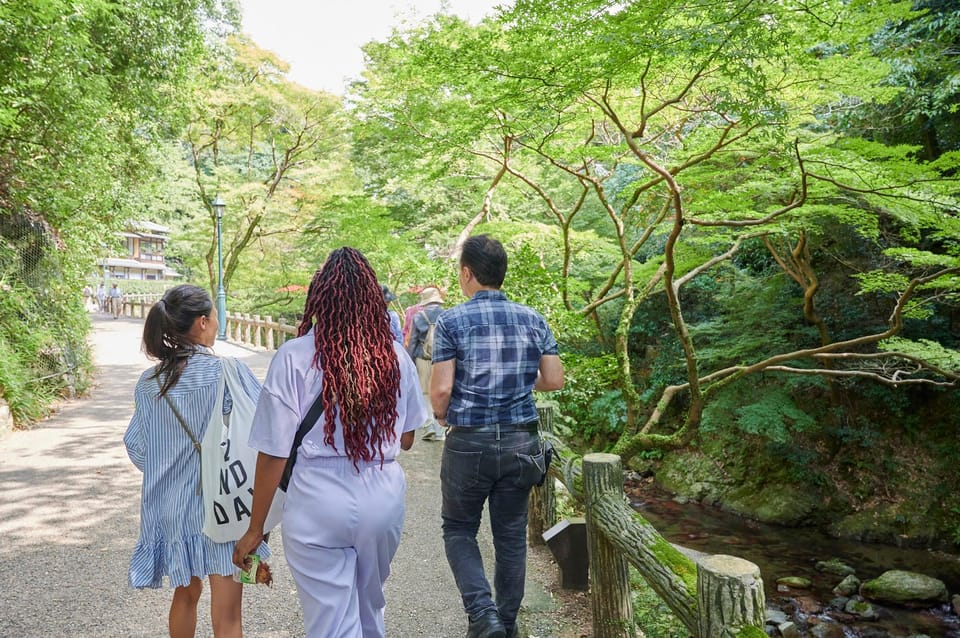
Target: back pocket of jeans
point(532, 467)
point(459, 470)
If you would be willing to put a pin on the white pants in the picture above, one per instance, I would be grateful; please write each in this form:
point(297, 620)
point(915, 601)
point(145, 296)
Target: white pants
point(341, 528)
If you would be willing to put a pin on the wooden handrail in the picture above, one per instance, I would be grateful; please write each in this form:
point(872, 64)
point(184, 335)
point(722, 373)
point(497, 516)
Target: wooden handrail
point(713, 596)
point(259, 332)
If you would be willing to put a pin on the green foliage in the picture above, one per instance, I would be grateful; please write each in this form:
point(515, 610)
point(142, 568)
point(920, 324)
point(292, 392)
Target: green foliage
point(48, 359)
point(766, 410)
point(88, 88)
point(750, 318)
point(591, 405)
point(925, 349)
point(651, 614)
point(923, 111)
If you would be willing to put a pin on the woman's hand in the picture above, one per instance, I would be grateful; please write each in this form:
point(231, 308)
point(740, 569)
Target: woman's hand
point(247, 544)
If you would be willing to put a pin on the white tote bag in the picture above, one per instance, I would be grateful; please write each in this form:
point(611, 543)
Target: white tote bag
point(228, 464)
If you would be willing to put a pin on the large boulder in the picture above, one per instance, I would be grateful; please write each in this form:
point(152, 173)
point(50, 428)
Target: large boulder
point(908, 589)
point(788, 505)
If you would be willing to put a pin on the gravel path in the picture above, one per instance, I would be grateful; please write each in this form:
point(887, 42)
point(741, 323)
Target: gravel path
point(69, 517)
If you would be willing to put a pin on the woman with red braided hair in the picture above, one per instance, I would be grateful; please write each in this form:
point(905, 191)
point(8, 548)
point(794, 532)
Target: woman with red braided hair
point(345, 502)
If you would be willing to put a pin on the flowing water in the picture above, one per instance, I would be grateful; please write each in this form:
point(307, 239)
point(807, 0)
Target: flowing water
point(781, 551)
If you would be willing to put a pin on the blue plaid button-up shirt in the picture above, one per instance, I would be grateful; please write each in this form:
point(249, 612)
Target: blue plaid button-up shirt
point(497, 345)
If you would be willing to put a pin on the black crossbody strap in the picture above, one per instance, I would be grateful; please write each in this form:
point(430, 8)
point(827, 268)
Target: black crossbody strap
point(313, 415)
point(183, 424)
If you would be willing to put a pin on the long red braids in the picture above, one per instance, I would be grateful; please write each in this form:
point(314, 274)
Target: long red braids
point(354, 350)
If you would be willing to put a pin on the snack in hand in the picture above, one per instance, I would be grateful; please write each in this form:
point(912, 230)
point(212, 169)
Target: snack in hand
point(254, 571)
point(264, 576)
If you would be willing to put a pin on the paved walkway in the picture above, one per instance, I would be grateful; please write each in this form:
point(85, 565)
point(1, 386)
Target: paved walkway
point(69, 518)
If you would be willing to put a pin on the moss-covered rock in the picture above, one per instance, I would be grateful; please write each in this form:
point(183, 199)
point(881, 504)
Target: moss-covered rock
point(693, 475)
point(909, 589)
point(848, 586)
point(794, 582)
point(834, 566)
point(887, 524)
point(779, 504)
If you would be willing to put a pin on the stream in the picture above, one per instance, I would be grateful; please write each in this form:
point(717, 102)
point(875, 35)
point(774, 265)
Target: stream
point(781, 551)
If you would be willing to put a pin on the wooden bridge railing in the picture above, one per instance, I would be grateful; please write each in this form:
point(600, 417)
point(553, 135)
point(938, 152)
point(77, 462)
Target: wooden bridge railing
point(257, 331)
point(138, 305)
point(242, 328)
point(713, 596)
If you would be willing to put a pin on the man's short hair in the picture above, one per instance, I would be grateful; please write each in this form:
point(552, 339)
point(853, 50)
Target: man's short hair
point(486, 259)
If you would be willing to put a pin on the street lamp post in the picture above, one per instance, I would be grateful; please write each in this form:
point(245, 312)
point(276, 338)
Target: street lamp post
point(218, 206)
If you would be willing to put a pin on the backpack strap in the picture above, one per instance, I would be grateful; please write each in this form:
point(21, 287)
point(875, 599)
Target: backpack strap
point(426, 318)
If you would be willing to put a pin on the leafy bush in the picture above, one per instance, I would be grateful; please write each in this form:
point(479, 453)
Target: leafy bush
point(592, 406)
point(43, 350)
point(651, 614)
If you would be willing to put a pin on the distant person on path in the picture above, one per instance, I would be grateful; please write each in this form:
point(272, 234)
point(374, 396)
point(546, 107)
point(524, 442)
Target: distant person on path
point(180, 331)
point(393, 315)
point(116, 301)
point(408, 315)
point(87, 295)
point(345, 504)
point(101, 297)
point(420, 348)
point(489, 356)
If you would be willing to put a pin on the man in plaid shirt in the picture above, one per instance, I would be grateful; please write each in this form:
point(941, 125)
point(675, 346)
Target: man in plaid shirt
point(489, 355)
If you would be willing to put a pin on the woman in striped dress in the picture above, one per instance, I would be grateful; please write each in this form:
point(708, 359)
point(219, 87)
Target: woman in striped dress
point(179, 331)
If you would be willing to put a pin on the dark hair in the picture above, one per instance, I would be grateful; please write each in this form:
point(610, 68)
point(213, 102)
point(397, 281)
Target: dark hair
point(166, 327)
point(486, 259)
point(354, 349)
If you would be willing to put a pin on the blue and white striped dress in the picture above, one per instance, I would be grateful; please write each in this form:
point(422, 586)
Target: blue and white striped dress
point(172, 542)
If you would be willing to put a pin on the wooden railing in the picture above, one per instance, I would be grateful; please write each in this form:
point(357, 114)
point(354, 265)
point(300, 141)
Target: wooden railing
point(138, 305)
point(713, 596)
point(242, 328)
point(259, 332)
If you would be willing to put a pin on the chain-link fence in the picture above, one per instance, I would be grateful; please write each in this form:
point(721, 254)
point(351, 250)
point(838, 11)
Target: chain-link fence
point(43, 325)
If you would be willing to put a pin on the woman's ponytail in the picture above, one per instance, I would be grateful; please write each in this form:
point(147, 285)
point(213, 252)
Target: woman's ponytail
point(166, 329)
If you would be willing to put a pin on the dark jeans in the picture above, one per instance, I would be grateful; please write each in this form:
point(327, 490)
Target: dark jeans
point(477, 467)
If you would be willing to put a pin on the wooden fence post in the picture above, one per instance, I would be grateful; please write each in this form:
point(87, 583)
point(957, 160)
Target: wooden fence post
point(246, 328)
point(730, 595)
point(609, 573)
point(256, 330)
point(543, 500)
point(281, 333)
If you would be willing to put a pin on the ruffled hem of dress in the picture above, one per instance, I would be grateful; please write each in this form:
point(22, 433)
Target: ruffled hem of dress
point(181, 560)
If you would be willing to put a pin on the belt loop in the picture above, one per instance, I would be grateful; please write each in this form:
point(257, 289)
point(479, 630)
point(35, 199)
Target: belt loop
point(498, 431)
